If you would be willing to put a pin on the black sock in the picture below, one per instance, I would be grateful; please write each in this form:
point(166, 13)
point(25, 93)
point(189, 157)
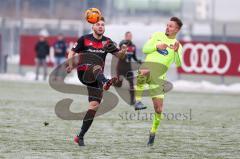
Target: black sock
point(87, 122)
point(132, 97)
point(131, 91)
point(101, 78)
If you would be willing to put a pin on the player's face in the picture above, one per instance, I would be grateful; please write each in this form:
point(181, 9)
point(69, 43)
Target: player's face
point(42, 38)
point(172, 28)
point(99, 28)
point(60, 37)
point(128, 36)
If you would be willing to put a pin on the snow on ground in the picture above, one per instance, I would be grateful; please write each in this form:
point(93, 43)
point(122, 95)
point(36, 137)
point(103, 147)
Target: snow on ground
point(13, 59)
point(205, 86)
point(179, 85)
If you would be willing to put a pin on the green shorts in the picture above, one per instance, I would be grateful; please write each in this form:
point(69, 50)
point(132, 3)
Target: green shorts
point(155, 81)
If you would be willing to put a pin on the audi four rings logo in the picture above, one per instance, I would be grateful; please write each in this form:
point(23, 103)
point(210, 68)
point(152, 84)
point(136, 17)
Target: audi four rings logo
point(205, 58)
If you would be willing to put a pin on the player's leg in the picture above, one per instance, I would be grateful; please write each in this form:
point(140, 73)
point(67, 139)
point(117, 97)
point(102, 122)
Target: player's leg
point(95, 94)
point(158, 116)
point(97, 71)
point(130, 79)
point(125, 71)
point(158, 107)
point(120, 76)
point(157, 98)
point(38, 63)
point(44, 62)
point(87, 122)
point(59, 76)
point(57, 63)
point(99, 76)
point(142, 76)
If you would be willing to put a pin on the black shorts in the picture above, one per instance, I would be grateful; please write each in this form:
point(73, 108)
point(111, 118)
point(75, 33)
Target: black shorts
point(125, 71)
point(95, 91)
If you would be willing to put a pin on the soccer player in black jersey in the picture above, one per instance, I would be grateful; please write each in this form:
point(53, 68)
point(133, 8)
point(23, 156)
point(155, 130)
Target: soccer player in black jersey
point(124, 68)
point(93, 49)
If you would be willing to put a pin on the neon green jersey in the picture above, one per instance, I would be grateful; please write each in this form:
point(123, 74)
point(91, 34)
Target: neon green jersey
point(165, 57)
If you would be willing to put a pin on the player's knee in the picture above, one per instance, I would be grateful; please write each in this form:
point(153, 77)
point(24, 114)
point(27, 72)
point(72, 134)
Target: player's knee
point(141, 79)
point(94, 105)
point(144, 72)
point(97, 68)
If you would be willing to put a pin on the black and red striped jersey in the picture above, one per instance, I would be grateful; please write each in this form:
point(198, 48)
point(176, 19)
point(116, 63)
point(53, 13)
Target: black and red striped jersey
point(131, 52)
point(94, 51)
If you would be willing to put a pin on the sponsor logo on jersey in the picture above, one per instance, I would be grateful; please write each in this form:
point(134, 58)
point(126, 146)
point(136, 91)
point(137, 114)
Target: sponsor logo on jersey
point(163, 52)
point(96, 51)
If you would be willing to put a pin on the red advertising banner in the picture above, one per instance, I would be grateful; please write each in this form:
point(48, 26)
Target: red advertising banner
point(0, 44)
point(211, 58)
point(27, 47)
point(1, 56)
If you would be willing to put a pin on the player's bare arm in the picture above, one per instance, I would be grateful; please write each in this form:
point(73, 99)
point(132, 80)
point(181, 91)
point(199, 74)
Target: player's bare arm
point(121, 53)
point(70, 61)
point(176, 46)
point(161, 46)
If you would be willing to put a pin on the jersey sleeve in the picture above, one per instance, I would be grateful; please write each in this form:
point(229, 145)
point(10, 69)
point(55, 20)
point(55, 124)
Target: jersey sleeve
point(79, 45)
point(150, 45)
point(134, 54)
point(178, 57)
point(121, 43)
point(111, 47)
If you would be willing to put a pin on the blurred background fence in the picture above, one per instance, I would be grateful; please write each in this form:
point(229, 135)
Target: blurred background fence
point(204, 20)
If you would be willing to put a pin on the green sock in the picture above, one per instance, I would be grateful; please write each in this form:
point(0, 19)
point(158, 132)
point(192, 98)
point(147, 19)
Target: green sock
point(156, 122)
point(138, 92)
point(141, 80)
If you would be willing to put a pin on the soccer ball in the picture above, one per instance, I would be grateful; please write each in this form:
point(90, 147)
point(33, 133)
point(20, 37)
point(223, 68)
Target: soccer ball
point(93, 15)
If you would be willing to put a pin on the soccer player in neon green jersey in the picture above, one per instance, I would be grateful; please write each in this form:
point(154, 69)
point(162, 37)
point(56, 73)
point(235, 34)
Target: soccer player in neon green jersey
point(161, 50)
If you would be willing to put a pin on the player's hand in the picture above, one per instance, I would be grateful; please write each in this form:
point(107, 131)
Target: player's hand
point(123, 51)
point(175, 46)
point(124, 48)
point(161, 46)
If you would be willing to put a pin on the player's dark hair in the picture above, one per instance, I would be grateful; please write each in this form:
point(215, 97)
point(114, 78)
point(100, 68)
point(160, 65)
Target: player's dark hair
point(178, 21)
point(102, 19)
point(128, 32)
